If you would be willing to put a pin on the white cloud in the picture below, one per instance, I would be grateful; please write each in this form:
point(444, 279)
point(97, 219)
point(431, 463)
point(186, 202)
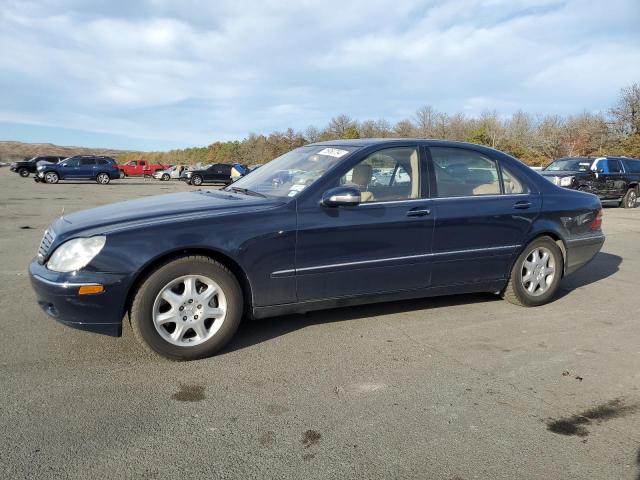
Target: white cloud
point(194, 72)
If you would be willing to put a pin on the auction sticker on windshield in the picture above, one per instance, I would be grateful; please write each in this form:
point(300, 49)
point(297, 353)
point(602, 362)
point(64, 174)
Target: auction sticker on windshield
point(333, 152)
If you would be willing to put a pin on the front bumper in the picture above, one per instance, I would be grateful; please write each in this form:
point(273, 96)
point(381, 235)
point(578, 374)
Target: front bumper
point(57, 295)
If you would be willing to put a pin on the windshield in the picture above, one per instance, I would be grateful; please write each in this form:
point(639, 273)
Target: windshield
point(289, 174)
point(571, 165)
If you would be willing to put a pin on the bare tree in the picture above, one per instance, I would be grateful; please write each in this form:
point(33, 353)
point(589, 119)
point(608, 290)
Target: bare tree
point(425, 121)
point(338, 126)
point(404, 128)
point(626, 112)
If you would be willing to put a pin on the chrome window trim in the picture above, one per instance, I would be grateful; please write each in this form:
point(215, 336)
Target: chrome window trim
point(409, 200)
point(498, 195)
point(390, 259)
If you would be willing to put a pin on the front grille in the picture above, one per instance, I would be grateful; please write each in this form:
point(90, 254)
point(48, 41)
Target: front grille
point(45, 245)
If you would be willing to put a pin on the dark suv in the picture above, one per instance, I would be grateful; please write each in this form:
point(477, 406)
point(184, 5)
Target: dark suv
point(81, 167)
point(26, 167)
point(610, 178)
point(216, 173)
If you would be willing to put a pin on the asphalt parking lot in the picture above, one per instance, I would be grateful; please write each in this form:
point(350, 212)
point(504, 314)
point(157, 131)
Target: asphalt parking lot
point(451, 388)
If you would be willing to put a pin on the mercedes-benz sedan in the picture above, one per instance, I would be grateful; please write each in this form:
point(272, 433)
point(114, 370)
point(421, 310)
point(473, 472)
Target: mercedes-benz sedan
point(361, 221)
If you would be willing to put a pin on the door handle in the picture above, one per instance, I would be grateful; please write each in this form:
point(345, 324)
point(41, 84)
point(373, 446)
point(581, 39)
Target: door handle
point(418, 212)
point(522, 205)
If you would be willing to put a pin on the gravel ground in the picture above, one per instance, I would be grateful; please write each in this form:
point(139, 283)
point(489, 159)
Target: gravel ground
point(451, 388)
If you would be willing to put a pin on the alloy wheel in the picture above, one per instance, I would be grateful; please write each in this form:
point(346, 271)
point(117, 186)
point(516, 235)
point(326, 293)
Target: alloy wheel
point(538, 271)
point(189, 310)
point(51, 177)
point(103, 178)
point(632, 198)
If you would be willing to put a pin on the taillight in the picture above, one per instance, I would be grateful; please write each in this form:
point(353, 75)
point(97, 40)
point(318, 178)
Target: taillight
point(596, 223)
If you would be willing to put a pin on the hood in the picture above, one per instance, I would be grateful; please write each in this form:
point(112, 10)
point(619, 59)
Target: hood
point(558, 173)
point(174, 206)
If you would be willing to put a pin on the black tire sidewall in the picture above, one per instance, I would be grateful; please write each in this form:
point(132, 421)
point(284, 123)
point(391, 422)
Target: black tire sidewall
point(516, 273)
point(142, 311)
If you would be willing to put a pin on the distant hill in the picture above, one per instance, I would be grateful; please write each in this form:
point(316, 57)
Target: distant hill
point(11, 150)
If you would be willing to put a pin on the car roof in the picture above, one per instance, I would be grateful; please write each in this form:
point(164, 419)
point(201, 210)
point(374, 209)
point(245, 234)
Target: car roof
point(368, 142)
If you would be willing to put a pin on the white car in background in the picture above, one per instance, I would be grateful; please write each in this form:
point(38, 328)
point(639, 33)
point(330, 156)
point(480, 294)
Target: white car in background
point(171, 173)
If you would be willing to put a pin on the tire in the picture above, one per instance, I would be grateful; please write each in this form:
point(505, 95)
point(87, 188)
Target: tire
point(630, 199)
point(149, 306)
point(519, 291)
point(51, 177)
point(196, 180)
point(165, 177)
point(103, 178)
point(23, 172)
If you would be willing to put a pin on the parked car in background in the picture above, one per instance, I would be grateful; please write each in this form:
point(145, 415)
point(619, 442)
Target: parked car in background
point(81, 167)
point(174, 172)
point(216, 173)
point(26, 167)
point(140, 168)
point(610, 178)
point(461, 218)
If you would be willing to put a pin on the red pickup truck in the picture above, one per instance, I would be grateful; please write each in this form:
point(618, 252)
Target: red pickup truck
point(140, 167)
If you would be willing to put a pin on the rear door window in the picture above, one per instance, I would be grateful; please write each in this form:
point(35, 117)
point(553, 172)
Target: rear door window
point(464, 173)
point(614, 165)
point(512, 184)
point(632, 166)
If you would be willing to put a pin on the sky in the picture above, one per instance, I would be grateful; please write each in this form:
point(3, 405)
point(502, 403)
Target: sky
point(161, 74)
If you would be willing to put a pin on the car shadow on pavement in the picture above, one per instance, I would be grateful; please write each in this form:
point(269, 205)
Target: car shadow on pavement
point(254, 332)
point(602, 266)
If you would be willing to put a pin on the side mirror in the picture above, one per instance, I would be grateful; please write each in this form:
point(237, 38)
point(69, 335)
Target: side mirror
point(341, 197)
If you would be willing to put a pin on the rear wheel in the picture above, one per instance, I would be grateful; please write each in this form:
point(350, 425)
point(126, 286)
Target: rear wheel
point(187, 309)
point(630, 199)
point(51, 177)
point(536, 274)
point(102, 178)
point(196, 180)
point(23, 172)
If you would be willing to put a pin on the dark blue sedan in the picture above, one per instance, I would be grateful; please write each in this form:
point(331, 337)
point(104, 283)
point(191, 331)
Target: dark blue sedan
point(359, 221)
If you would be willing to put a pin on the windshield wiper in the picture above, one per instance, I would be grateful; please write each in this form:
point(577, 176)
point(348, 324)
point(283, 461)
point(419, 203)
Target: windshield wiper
point(246, 191)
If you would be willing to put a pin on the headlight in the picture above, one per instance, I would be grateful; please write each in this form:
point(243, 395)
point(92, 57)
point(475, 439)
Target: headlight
point(75, 254)
point(566, 181)
point(189, 174)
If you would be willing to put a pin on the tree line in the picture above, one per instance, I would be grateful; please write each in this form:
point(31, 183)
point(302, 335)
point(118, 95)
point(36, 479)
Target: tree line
point(534, 139)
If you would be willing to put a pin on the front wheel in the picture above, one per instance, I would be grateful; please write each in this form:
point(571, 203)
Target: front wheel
point(165, 177)
point(102, 178)
point(196, 180)
point(24, 173)
point(630, 199)
point(536, 274)
point(51, 177)
point(187, 309)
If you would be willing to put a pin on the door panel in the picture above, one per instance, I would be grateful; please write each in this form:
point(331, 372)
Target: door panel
point(380, 245)
point(475, 237)
point(364, 249)
point(478, 228)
